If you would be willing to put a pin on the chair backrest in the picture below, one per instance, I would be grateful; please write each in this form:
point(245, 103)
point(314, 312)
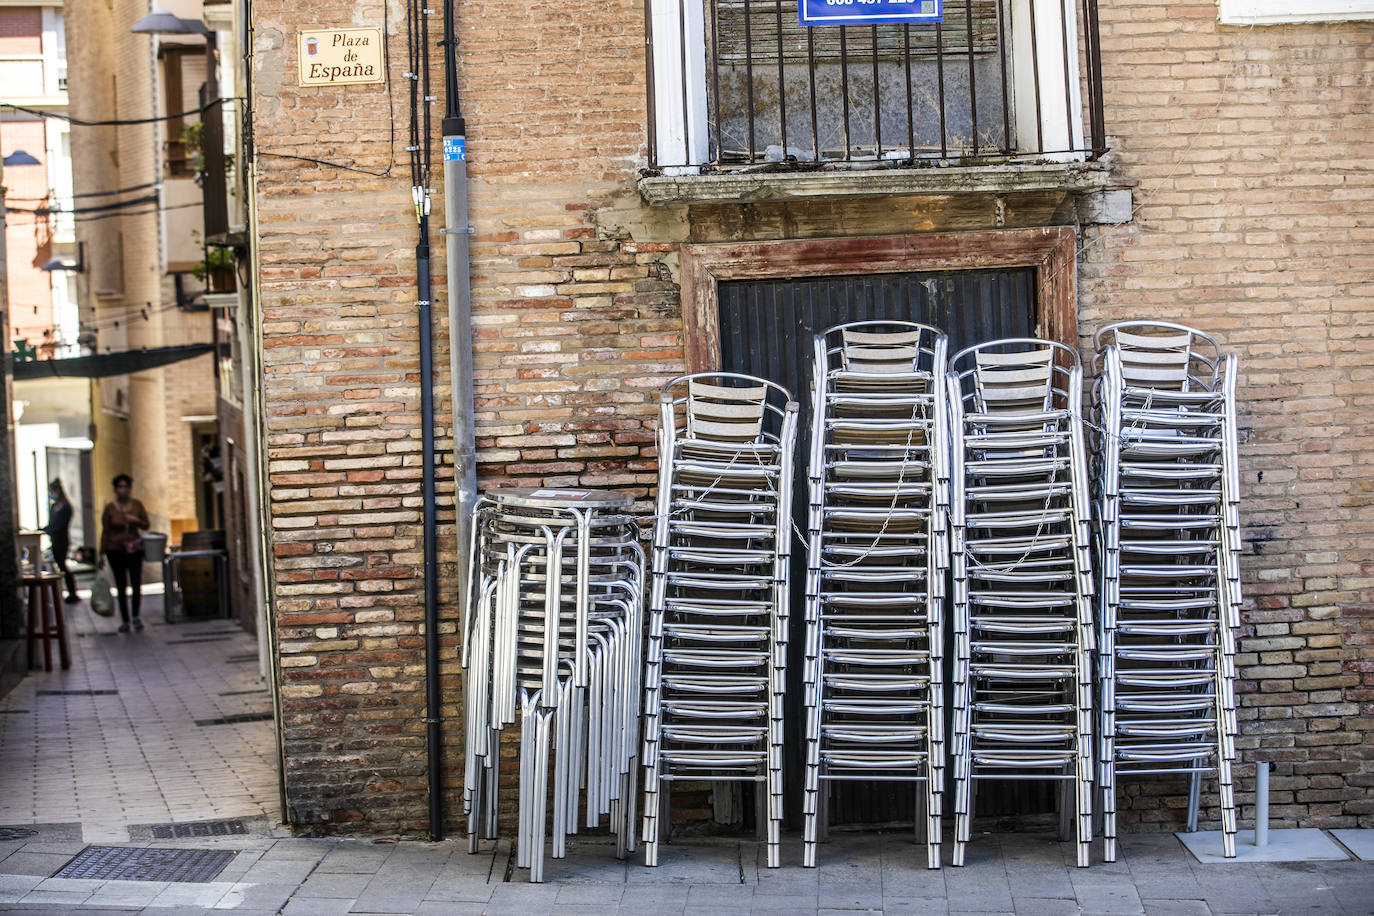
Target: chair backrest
point(1162, 355)
point(1011, 383)
point(724, 414)
point(879, 353)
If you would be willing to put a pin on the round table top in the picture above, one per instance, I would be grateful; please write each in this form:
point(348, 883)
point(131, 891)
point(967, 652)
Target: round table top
point(30, 578)
point(561, 498)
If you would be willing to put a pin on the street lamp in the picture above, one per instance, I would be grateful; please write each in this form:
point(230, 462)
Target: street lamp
point(161, 22)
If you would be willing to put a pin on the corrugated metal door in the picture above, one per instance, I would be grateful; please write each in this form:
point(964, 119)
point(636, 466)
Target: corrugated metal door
point(766, 329)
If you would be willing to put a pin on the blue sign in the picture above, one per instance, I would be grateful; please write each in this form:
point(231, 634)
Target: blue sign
point(868, 12)
point(455, 149)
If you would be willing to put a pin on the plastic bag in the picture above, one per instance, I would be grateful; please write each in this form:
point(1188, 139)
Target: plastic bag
point(102, 597)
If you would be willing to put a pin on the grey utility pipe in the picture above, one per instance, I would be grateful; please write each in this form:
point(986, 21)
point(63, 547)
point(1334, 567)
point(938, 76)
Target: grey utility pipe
point(457, 269)
point(456, 235)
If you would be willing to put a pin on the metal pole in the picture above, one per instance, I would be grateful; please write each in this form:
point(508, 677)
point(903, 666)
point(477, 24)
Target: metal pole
point(1262, 803)
point(457, 265)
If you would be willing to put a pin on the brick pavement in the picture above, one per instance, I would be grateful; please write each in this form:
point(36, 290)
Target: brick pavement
point(77, 769)
point(872, 872)
point(136, 756)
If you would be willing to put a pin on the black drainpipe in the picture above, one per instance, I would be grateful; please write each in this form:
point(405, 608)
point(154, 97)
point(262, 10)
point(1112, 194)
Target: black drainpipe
point(417, 21)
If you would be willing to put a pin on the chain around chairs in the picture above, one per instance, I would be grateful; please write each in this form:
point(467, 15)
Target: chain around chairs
point(1023, 626)
point(554, 634)
point(1167, 506)
point(877, 558)
point(718, 607)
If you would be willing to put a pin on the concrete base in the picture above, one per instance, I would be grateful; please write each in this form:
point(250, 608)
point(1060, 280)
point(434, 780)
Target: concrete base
point(1300, 845)
point(1360, 842)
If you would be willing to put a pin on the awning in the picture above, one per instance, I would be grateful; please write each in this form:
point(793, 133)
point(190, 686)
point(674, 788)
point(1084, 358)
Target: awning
point(104, 365)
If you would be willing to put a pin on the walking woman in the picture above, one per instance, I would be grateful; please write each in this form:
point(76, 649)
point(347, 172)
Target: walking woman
point(59, 523)
point(121, 545)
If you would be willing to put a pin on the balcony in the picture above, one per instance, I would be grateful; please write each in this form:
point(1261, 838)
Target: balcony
point(741, 95)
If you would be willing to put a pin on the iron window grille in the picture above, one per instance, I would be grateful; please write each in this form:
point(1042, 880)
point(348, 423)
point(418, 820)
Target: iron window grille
point(741, 82)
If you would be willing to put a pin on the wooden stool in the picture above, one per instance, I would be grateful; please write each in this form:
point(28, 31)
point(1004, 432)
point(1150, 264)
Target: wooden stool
point(45, 617)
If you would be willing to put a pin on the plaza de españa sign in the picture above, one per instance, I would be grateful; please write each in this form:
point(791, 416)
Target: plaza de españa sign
point(868, 12)
point(340, 57)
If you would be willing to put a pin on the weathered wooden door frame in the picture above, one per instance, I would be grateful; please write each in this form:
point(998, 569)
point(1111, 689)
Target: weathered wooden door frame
point(1051, 251)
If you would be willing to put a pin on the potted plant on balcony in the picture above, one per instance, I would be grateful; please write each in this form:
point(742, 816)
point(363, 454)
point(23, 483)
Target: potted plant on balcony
point(216, 270)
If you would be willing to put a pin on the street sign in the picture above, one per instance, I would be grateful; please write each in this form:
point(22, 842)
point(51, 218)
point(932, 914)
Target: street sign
point(868, 12)
point(340, 57)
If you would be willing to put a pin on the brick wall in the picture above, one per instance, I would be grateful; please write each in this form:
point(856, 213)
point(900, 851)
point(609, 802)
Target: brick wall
point(1255, 218)
point(577, 319)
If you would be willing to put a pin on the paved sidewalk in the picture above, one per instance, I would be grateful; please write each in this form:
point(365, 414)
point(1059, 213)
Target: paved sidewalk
point(125, 736)
point(134, 737)
point(1022, 874)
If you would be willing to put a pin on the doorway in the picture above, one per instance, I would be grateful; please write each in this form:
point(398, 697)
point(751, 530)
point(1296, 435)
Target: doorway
point(766, 328)
point(753, 307)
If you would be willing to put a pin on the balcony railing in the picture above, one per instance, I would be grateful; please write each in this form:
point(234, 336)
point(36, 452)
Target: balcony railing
point(740, 82)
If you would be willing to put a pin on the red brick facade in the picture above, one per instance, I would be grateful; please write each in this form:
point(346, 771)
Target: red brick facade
point(1253, 220)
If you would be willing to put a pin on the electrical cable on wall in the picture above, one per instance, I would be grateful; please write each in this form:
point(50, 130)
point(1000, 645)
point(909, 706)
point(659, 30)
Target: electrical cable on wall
point(421, 163)
point(347, 166)
point(98, 208)
point(136, 187)
point(45, 215)
point(153, 119)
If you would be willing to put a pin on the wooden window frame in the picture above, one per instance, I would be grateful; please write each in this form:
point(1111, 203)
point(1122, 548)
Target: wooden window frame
point(1050, 251)
point(177, 160)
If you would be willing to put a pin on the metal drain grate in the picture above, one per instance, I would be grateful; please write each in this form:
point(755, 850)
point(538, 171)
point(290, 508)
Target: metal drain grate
point(123, 863)
point(187, 642)
point(245, 657)
point(77, 693)
point(14, 712)
point(17, 833)
point(241, 717)
point(242, 693)
point(198, 829)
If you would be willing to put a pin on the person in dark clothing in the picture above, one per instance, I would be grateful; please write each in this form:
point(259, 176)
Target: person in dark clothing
point(57, 529)
point(121, 545)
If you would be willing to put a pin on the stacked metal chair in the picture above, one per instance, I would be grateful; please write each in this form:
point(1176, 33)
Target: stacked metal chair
point(877, 560)
point(718, 608)
point(1169, 538)
point(554, 633)
point(1023, 587)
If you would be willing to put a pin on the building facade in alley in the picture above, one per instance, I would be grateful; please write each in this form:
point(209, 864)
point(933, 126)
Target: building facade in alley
point(53, 417)
point(635, 218)
point(142, 285)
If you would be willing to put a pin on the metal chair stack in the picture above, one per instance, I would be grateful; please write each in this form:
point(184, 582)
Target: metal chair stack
point(554, 634)
point(1023, 626)
point(877, 559)
point(1169, 531)
point(718, 608)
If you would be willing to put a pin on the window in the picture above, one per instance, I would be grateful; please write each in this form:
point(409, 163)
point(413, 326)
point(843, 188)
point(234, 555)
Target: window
point(183, 74)
point(1273, 12)
point(737, 82)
